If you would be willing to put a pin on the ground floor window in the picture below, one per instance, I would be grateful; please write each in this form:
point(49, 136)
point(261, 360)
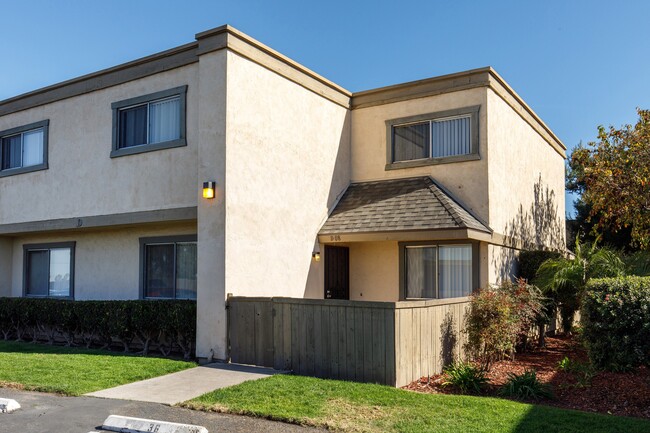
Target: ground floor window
point(168, 267)
point(438, 271)
point(49, 270)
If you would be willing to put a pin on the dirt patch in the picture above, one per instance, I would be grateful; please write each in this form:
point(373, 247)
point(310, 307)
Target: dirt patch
point(343, 415)
point(626, 394)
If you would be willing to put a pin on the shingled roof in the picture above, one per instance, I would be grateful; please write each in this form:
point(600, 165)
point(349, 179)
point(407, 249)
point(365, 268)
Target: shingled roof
point(416, 203)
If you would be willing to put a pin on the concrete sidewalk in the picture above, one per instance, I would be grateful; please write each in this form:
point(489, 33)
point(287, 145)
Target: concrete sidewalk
point(187, 384)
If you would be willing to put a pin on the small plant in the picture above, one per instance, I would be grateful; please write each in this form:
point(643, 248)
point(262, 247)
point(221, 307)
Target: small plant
point(525, 386)
point(582, 371)
point(466, 377)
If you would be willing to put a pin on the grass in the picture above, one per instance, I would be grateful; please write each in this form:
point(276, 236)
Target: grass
point(356, 407)
point(73, 371)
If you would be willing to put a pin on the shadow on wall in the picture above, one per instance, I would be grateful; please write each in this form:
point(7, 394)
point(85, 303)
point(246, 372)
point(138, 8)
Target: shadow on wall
point(448, 340)
point(338, 184)
point(539, 227)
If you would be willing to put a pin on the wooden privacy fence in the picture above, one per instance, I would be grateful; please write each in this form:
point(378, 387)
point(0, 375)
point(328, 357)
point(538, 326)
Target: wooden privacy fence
point(392, 343)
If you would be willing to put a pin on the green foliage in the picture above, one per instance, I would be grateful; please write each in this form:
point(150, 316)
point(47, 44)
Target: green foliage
point(525, 386)
point(613, 175)
point(466, 377)
point(583, 372)
point(168, 325)
point(531, 260)
point(563, 279)
point(616, 322)
point(499, 317)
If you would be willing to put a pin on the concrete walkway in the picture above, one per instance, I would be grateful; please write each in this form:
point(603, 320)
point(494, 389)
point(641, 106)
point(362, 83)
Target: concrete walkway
point(185, 385)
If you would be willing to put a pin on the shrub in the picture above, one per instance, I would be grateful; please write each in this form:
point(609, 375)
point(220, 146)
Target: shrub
point(466, 377)
point(498, 318)
point(525, 386)
point(167, 325)
point(616, 322)
point(530, 261)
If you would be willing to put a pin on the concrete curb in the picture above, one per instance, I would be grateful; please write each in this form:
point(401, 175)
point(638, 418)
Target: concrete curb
point(124, 424)
point(8, 405)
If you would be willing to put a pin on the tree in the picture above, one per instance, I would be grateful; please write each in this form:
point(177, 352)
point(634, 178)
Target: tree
point(613, 175)
point(563, 280)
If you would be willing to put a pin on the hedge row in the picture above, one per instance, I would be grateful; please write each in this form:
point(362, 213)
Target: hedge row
point(167, 326)
point(616, 322)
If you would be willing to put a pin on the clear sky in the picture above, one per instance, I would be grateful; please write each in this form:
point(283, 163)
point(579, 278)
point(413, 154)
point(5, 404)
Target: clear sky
point(578, 64)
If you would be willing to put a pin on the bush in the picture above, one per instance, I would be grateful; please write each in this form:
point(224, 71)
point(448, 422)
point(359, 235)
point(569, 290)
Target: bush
point(525, 386)
point(530, 261)
point(465, 377)
point(615, 319)
point(499, 318)
point(167, 325)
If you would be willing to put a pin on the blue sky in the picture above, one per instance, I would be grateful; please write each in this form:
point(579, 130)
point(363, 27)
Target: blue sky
point(578, 64)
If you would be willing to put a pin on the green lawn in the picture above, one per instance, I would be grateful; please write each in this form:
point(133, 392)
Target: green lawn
point(350, 406)
point(73, 371)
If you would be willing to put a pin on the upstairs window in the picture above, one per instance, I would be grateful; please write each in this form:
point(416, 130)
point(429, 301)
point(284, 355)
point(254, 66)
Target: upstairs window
point(24, 149)
point(433, 138)
point(150, 122)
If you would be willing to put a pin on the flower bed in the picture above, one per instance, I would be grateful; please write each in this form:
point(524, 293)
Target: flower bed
point(626, 394)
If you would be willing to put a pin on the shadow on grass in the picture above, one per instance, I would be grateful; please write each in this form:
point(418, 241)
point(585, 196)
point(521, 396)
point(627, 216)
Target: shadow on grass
point(550, 420)
point(46, 349)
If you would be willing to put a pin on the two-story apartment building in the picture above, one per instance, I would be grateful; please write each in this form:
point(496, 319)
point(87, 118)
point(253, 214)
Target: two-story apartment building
point(420, 190)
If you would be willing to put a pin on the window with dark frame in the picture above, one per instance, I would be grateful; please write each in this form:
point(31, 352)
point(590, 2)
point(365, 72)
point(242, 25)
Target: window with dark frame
point(433, 138)
point(49, 270)
point(438, 271)
point(169, 268)
point(24, 149)
point(150, 122)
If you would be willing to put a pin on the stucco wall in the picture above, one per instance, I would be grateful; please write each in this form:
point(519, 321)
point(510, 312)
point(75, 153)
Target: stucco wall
point(502, 264)
point(107, 262)
point(211, 339)
point(82, 179)
point(374, 271)
point(287, 153)
point(526, 180)
point(6, 253)
point(465, 180)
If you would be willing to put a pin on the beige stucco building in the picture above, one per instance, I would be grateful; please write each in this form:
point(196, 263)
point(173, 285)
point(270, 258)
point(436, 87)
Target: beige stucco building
point(420, 190)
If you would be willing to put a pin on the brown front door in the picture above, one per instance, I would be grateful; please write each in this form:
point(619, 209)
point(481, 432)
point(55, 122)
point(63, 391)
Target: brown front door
point(337, 272)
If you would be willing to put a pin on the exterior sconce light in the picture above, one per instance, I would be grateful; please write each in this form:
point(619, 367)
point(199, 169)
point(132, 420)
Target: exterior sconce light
point(316, 256)
point(208, 190)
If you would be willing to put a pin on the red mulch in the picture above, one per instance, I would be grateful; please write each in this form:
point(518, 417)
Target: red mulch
point(626, 394)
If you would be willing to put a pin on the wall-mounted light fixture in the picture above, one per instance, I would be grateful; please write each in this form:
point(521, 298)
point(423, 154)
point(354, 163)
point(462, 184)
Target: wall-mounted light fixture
point(208, 189)
point(316, 256)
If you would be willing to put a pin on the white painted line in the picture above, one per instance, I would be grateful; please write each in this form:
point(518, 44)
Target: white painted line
point(124, 424)
point(8, 405)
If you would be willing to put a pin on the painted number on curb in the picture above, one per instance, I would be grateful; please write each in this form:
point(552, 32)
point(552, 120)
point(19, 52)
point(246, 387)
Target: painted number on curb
point(154, 427)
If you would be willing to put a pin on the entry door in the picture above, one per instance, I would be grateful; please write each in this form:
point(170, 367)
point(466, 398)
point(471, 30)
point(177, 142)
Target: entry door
point(337, 272)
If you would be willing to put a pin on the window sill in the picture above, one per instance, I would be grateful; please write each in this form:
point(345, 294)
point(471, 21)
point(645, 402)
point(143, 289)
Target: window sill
point(134, 150)
point(62, 298)
point(432, 161)
point(22, 170)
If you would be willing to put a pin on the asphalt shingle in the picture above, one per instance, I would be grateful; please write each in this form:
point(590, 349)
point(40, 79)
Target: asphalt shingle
point(416, 203)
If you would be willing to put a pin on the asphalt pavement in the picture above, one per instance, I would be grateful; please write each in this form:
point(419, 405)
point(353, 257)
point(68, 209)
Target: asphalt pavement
point(49, 413)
